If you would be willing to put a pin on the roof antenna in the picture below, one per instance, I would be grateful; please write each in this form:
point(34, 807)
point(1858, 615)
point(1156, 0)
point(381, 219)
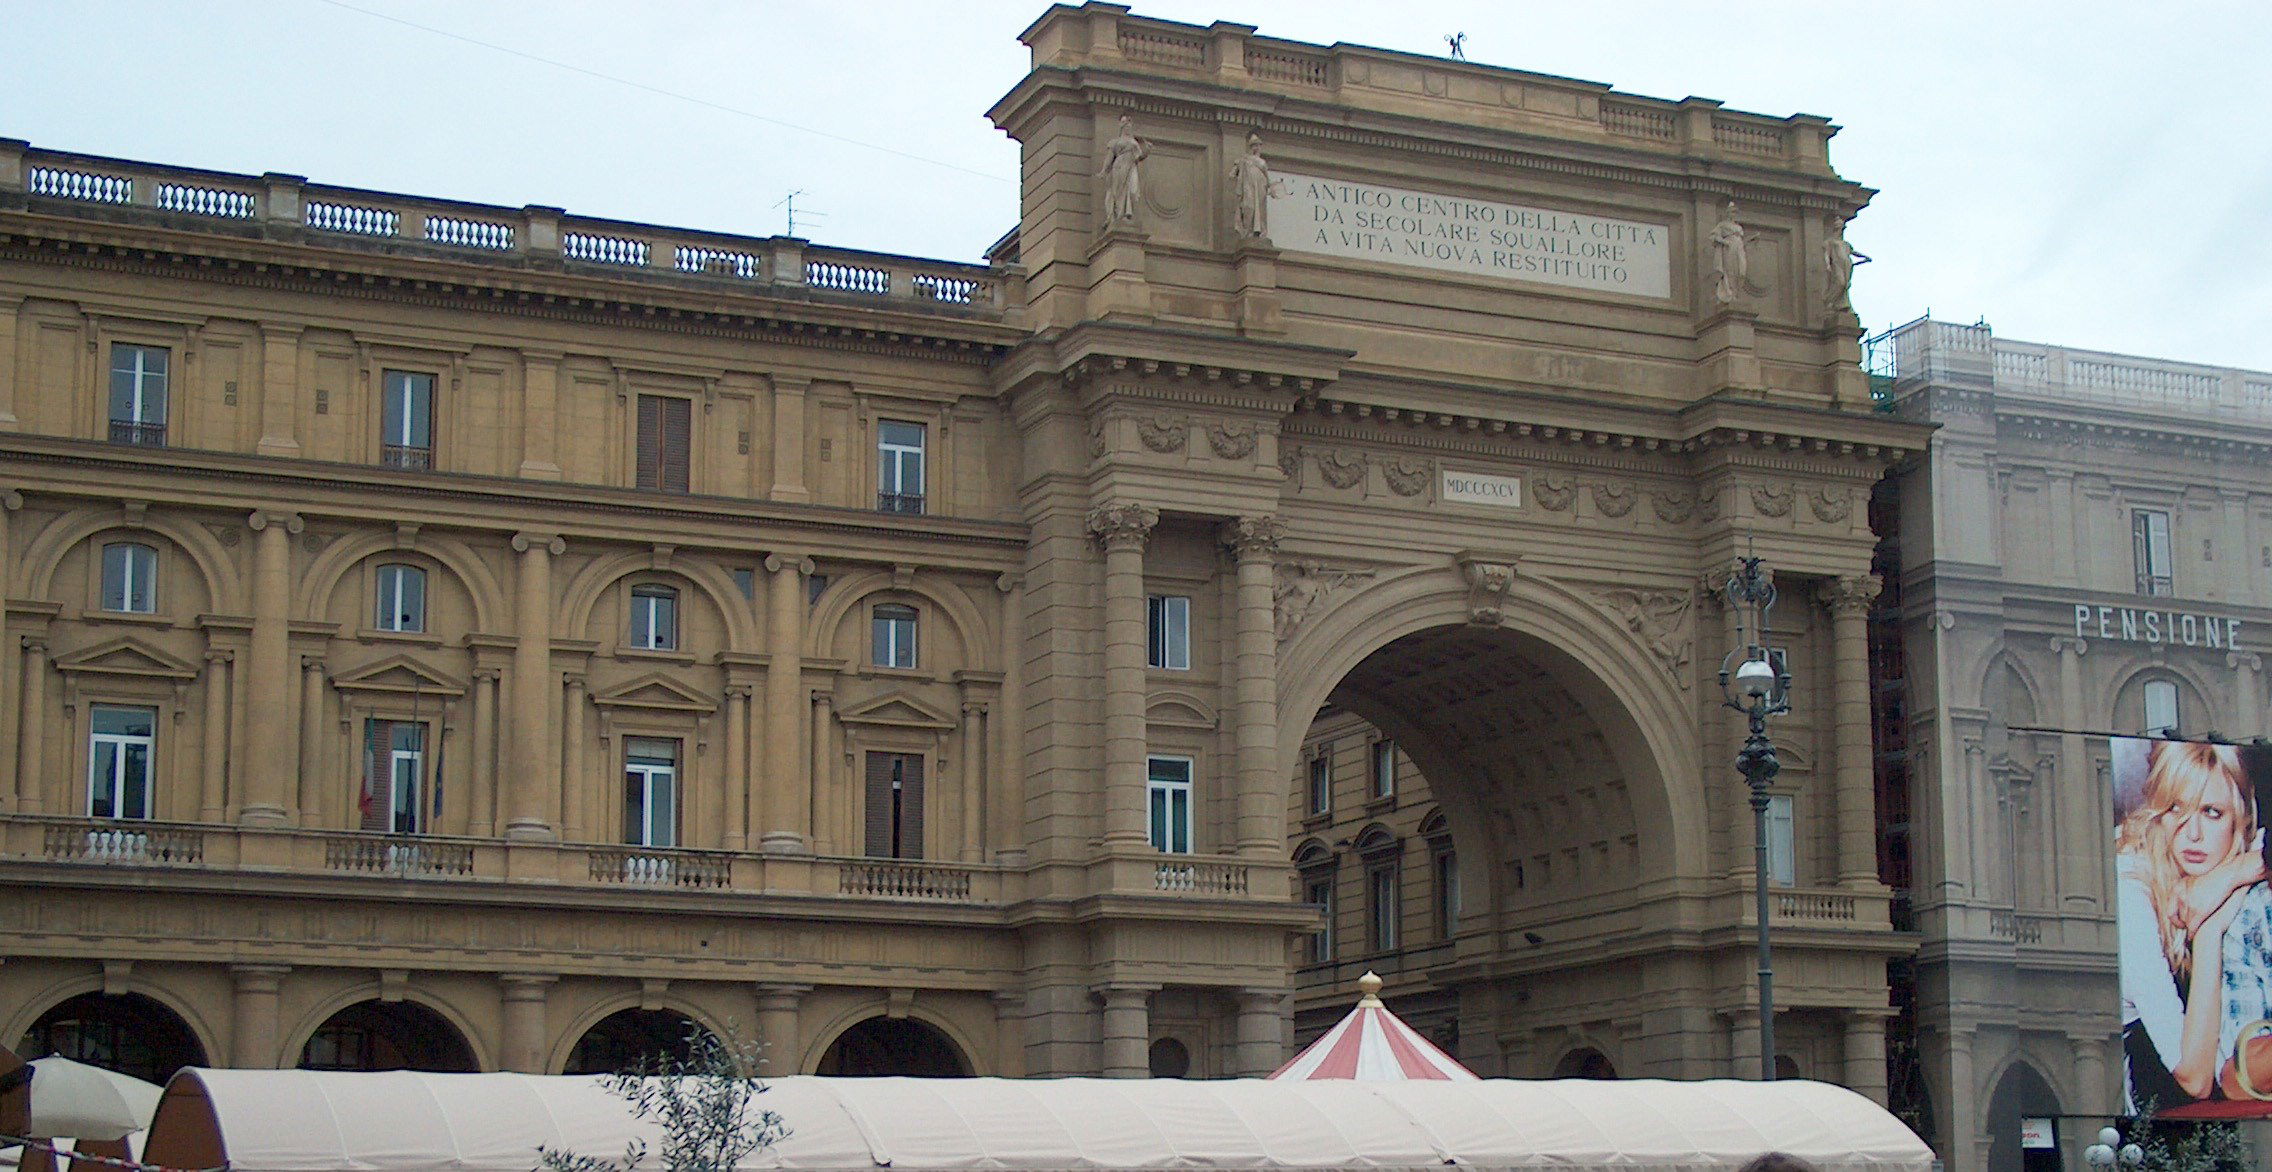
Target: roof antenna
point(789, 204)
point(1458, 43)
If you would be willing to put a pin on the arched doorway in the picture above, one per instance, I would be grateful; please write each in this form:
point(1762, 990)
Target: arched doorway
point(125, 1032)
point(387, 1035)
point(634, 1039)
point(2022, 1092)
point(1585, 1062)
point(882, 1046)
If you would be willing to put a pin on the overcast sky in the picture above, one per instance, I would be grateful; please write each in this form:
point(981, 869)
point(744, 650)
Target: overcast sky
point(2084, 173)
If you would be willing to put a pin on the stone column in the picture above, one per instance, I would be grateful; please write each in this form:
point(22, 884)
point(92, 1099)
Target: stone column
point(1865, 1054)
point(1743, 1041)
point(1127, 1032)
point(540, 415)
point(789, 441)
point(1009, 1033)
point(973, 735)
point(313, 776)
point(1261, 794)
point(780, 1036)
point(279, 390)
point(269, 723)
point(31, 726)
point(585, 815)
point(253, 1023)
point(533, 771)
point(828, 797)
point(2078, 864)
point(524, 1041)
point(10, 500)
point(1849, 601)
point(213, 756)
point(2094, 1092)
point(733, 789)
point(1966, 1101)
point(1123, 529)
point(481, 807)
point(787, 804)
point(2248, 696)
point(1006, 811)
point(1259, 1051)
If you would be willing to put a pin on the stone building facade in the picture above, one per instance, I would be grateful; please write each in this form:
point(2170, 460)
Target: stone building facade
point(2065, 493)
point(437, 621)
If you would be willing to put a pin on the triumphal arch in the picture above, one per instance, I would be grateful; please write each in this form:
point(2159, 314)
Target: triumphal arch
point(471, 637)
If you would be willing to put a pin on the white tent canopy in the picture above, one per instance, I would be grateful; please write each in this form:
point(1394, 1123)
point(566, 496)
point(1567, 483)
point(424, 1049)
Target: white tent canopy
point(310, 1121)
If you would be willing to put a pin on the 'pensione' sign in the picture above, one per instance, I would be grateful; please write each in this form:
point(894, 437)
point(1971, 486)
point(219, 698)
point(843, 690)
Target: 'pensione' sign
point(2166, 627)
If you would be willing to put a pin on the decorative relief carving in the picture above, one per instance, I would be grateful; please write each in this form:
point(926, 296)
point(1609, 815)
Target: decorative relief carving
point(1163, 433)
point(1850, 595)
point(1097, 444)
point(1253, 536)
point(1341, 469)
point(1708, 505)
point(315, 539)
point(1830, 506)
point(1406, 477)
point(228, 535)
point(1554, 493)
point(1660, 619)
point(1614, 498)
point(1673, 507)
point(1304, 584)
point(1231, 443)
point(1290, 461)
point(1487, 585)
point(1123, 526)
point(1773, 500)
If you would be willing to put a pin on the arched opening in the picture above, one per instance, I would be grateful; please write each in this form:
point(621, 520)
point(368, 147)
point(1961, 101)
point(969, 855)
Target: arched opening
point(1170, 1058)
point(1585, 1062)
point(1478, 778)
point(2021, 1093)
point(125, 1032)
point(387, 1035)
point(635, 1039)
point(883, 1046)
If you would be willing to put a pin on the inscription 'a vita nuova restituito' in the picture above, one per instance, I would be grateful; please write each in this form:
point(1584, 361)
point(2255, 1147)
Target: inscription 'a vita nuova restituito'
point(1366, 221)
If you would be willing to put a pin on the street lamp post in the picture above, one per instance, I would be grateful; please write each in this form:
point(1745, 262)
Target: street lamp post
point(1755, 682)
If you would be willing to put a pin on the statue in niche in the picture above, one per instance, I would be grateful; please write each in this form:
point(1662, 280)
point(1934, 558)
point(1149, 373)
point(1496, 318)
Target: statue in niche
point(1838, 261)
point(1253, 186)
point(1123, 185)
point(1731, 259)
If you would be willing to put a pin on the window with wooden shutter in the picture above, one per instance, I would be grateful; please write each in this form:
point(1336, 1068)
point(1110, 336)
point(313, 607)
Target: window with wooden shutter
point(665, 442)
point(895, 806)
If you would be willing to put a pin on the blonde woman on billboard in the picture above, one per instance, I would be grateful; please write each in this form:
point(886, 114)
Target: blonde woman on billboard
point(2182, 853)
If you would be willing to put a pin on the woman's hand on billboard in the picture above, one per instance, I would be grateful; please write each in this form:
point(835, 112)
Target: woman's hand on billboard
point(2214, 888)
point(2198, 1067)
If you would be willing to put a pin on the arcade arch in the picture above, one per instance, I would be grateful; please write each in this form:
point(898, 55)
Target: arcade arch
point(387, 1035)
point(125, 1032)
point(632, 1039)
point(883, 1046)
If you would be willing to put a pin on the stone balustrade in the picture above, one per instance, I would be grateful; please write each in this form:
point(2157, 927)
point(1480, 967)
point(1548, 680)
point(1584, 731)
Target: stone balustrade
point(1936, 352)
point(291, 206)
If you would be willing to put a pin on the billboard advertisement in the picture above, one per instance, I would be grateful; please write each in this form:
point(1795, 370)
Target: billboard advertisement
point(2194, 917)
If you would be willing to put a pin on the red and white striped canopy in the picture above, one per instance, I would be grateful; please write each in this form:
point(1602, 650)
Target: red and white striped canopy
point(1373, 1045)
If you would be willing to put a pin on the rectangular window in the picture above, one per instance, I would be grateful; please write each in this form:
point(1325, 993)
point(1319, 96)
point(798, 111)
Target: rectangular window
point(130, 578)
point(899, 466)
point(1321, 783)
point(1171, 804)
point(1782, 841)
point(1380, 905)
point(394, 776)
point(654, 618)
point(895, 806)
point(1170, 631)
point(2161, 707)
point(138, 394)
point(665, 442)
point(1384, 769)
point(1447, 892)
point(2149, 546)
point(406, 419)
point(118, 761)
point(893, 636)
point(650, 792)
point(402, 599)
point(1317, 891)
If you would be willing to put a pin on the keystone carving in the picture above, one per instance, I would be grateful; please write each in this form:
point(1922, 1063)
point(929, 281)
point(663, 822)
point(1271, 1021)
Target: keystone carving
point(1123, 526)
point(1554, 493)
point(1406, 477)
point(1487, 585)
point(1660, 619)
point(1773, 500)
point(1162, 433)
point(1341, 469)
point(1304, 584)
point(1231, 443)
point(1614, 498)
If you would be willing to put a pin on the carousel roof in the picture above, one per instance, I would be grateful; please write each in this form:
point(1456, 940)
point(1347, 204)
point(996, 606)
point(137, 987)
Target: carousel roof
point(1373, 1045)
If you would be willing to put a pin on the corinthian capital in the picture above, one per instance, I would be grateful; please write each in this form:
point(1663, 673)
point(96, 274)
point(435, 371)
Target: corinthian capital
point(1254, 536)
point(1851, 594)
point(1123, 526)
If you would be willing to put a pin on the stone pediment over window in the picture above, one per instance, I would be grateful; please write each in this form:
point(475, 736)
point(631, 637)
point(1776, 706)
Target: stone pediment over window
point(1180, 710)
point(897, 710)
point(126, 656)
point(656, 692)
point(398, 675)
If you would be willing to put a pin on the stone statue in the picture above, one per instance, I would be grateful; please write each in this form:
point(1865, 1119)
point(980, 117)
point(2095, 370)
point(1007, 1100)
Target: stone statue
point(1731, 263)
point(1251, 181)
point(1123, 187)
point(1838, 261)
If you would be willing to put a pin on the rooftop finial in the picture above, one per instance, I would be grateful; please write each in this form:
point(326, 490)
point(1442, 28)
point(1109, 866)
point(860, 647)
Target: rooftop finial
point(1369, 986)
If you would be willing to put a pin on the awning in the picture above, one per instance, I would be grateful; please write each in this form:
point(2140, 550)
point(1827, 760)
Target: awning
point(317, 1121)
point(1373, 1045)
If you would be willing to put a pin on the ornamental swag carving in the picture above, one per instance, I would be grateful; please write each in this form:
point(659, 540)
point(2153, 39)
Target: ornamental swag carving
point(1290, 461)
point(1303, 586)
point(1231, 443)
point(1405, 477)
point(1773, 500)
point(1708, 505)
point(1614, 498)
point(1829, 506)
point(1672, 508)
point(1660, 619)
point(1554, 493)
point(1341, 469)
point(1162, 433)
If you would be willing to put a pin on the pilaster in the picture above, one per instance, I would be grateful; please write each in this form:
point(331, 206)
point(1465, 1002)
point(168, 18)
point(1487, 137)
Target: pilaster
point(1123, 530)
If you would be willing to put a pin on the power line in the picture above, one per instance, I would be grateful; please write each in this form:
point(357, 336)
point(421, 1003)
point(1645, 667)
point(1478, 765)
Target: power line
point(640, 85)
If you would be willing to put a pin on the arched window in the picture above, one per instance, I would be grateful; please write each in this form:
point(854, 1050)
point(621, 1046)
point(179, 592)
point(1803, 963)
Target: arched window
point(130, 578)
point(1384, 887)
point(2161, 707)
point(401, 599)
point(893, 637)
point(654, 618)
point(1316, 865)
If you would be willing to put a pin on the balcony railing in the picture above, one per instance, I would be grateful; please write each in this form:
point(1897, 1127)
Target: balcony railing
point(1822, 907)
point(1201, 878)
point(127, 431)
point(102, 841)
point(413, 459)
point(899, 502)
point(658, 867)
point(398, 855)
point(905, 879)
